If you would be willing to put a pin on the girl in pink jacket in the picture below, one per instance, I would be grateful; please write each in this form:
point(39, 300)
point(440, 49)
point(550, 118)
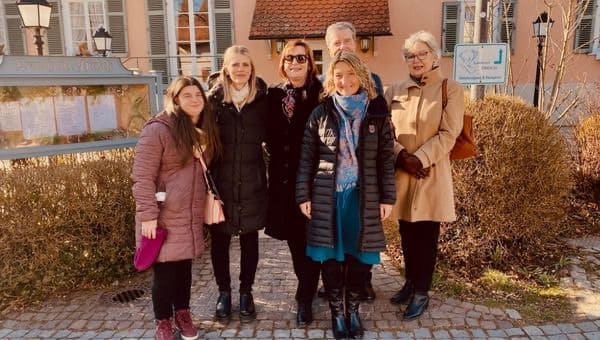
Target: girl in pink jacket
point(167, 161)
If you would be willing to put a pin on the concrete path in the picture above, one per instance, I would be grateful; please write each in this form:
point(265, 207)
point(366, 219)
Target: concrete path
point(126, 311)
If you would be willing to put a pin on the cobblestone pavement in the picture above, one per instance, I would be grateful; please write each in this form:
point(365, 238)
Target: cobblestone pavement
point(99, 314)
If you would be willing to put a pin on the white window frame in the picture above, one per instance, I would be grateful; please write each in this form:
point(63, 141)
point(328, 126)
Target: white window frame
point(3, 26)
point(70, 49)
point(596, 30)
point(465, 10)
point(172, 34)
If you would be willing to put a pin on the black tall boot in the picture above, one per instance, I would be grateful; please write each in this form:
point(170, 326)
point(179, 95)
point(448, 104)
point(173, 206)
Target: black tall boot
point(356, 275)
point(333, 279)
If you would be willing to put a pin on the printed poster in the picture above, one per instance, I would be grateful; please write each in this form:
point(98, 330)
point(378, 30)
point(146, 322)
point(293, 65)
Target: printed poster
point(70, 115)
point(103, 113)
point(37, 117)
point(10, 120)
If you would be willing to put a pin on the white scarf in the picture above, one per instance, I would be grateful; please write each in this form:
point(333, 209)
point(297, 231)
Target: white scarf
point(239, 97)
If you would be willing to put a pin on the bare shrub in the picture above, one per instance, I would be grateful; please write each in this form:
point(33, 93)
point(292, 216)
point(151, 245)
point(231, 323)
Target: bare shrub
point(512, 197)
point(588, 146)
point(67, 222)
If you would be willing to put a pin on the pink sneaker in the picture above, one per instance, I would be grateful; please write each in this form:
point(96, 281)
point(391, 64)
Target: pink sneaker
point(163, 330)
point(183, 321)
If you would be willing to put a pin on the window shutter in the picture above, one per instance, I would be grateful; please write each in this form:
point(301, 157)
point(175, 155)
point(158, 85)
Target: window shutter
point(14, 33)
point(54, 32)
point(223, 29)
point(117, 26)
point(158, 38)
point(222, 4)
point(585, 28)
point(507, 22)
point(450, 21)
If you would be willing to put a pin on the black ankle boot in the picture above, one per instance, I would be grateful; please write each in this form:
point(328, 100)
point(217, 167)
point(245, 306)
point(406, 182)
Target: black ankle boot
point(355, 327)
point(368, 293)
point(247, 310)
point(404, 294)
point(417, 305)
point(304, 315)
point(223, 310)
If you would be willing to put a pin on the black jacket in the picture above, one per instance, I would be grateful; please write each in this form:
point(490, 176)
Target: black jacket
point(240, 173)
point(284, 139)
point(316, 174)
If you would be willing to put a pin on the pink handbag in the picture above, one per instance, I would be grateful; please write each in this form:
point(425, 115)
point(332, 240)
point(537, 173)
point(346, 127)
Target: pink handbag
point(213, 209)
point(147, 253)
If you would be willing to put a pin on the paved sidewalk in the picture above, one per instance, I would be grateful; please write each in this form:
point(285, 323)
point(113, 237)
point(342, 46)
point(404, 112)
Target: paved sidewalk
point(98, 315)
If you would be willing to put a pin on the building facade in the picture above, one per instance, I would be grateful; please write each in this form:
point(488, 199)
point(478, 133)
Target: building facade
point(189, 36)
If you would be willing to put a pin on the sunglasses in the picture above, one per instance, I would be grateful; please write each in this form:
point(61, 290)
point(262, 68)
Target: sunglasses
point(419, 55)
point(300, 58)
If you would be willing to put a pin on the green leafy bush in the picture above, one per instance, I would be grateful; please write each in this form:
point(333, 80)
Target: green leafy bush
point(67, 222)
point(512, 197)
point(588, 142)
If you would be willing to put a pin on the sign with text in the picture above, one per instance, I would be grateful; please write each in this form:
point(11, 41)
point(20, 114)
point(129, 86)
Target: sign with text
point(480, 64)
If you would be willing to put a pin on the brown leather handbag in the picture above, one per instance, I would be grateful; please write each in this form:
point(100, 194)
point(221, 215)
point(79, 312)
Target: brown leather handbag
point(465, 146)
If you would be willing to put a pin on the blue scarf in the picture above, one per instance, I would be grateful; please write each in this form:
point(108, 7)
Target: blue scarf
point(351, 110)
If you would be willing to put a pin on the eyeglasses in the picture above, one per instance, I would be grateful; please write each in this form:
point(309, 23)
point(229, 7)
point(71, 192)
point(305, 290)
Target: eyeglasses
point(300, 58)
point(410, 57)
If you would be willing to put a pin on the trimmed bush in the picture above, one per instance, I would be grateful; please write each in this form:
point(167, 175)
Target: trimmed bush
point(67, 222)
point(511, 198)
point(588, 142)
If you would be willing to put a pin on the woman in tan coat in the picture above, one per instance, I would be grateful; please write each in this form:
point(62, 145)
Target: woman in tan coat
point(167, 161)
point(425, 132)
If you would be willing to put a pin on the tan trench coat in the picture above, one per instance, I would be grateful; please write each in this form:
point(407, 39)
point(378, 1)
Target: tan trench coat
point(424, 130)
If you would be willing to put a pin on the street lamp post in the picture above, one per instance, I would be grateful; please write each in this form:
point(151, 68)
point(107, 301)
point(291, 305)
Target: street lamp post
point(541, 26)
point(35, 14)
point(103, 41)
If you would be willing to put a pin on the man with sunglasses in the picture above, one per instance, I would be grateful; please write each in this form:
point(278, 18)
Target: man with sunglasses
point(342, 36)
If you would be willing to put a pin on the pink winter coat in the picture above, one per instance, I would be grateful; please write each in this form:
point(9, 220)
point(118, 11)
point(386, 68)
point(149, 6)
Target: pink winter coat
point(157, 167)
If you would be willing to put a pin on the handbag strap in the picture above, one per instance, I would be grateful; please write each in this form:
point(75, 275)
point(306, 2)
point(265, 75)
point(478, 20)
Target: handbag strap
point(205, 168)
point(444, 93)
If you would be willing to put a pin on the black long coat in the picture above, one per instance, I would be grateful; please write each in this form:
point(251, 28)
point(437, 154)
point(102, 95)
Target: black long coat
point(316, 174)
point(240, 173)
point(284, 139)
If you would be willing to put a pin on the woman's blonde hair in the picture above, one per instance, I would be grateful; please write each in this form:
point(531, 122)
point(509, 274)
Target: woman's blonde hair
point(224, 79)
point(360, 68)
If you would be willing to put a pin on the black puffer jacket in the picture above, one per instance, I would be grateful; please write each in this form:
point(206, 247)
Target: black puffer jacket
point(240, 173)
point(316, 174)
point(285, 221)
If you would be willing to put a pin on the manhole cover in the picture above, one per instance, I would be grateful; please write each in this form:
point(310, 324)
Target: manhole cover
point(125, 295)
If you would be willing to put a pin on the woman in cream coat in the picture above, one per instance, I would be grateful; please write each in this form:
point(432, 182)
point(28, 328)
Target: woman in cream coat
point(425, 132)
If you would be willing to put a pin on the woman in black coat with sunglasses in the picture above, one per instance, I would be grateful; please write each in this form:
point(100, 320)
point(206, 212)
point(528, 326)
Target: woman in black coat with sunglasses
point(290, 104)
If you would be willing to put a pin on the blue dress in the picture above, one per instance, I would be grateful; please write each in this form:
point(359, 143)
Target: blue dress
point(348, 226)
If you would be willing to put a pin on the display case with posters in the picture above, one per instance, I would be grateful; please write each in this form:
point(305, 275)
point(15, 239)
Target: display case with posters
point(53, 105)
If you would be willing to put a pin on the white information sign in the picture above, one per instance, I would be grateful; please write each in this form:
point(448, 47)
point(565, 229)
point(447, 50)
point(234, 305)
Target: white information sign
point(37, 116)
point(103, 113)
point(70, 115)
point(480, 64)
point(10, 120)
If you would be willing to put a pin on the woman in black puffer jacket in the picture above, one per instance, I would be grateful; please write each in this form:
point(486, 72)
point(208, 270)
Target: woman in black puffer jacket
point(345, 185)
point(238, 99)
